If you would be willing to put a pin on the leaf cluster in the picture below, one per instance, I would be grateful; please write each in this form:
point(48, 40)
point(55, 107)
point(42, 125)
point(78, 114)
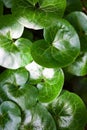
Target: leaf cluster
point(41, 41)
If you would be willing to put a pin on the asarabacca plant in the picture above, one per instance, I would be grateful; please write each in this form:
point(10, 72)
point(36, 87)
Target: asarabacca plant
point(43, 46)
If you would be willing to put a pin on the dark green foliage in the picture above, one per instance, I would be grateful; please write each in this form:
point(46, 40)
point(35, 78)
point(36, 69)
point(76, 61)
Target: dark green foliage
point(43, 46)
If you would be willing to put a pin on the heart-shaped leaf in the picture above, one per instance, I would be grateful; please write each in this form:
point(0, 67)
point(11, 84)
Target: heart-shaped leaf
point(14, 54)
point(9, 23)
point(25, 96)
point(16, 77)
point(48, 81)
point(60, 47)
point(69, 112)
point(39, 14)
point(79, 67)
point(38, 118)
point(10, 116)
point(51, 85)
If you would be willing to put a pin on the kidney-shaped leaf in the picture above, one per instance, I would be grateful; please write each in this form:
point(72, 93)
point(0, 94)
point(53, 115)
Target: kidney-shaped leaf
point(60, 47)
point(14, 54)
point(38, 118)
point(10, 116)
point(69, 112)
point(25, 96)
point(16, 77)
point(39, 15)
point(9, 23)
point(51, 85)
point(49, 81)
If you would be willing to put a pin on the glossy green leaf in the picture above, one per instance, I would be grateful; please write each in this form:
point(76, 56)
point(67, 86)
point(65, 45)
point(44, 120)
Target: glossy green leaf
point(25, 96)
point(40, 15)
point(14, 54)
point(38, 118)
point(9, 23)
point(60, 47)
point(79, 20)
point(10, 116)
point(16, 77)
point(48, 81)
point(69, 112)
point(79, 67)
point(51, 85)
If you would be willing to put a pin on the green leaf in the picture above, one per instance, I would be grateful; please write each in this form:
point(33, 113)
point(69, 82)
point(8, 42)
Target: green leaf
point(10, 116)
point(39, 15)
point(9, 23)
point(25, 96)
point(38, 118)
point(79, 20)
point(51, 85)
point(14, 54)
point(79, 67)
point(48, 81)
point(60, 47)
point(16, 77)
point(69, 112)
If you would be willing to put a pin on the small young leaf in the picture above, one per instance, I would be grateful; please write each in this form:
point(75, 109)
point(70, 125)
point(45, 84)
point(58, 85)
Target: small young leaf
point(10, 116)
point(14, 54)
point(69, 112)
